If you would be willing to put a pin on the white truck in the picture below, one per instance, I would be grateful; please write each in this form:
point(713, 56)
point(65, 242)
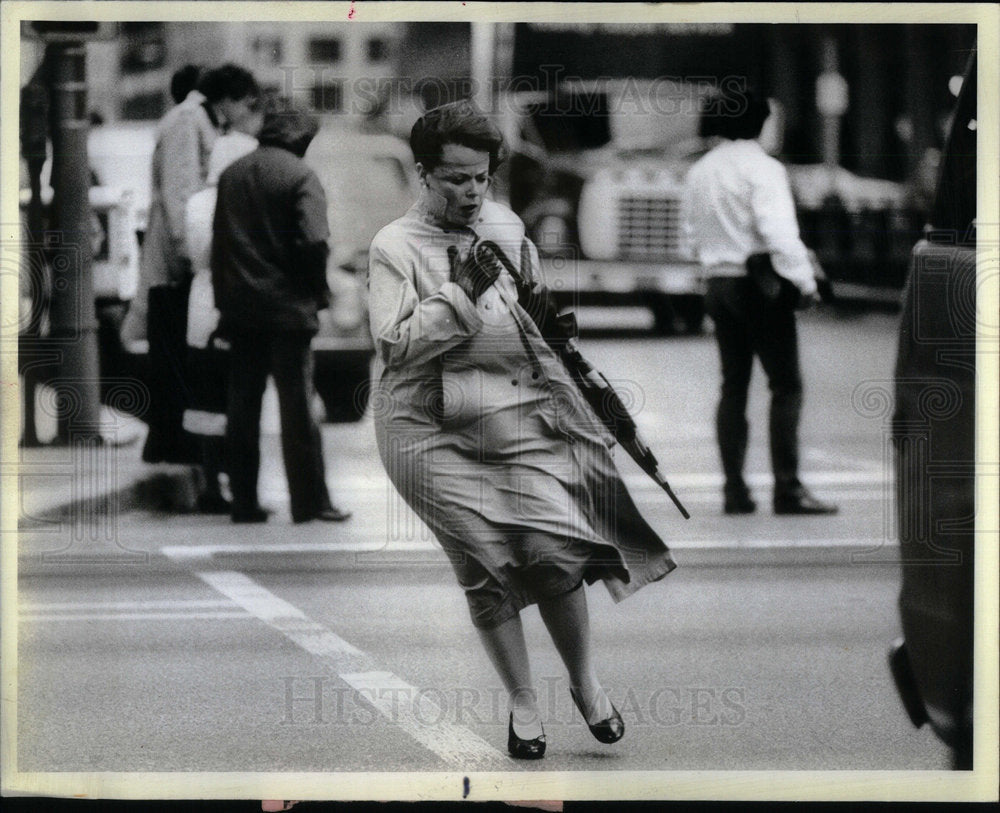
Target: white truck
point(596, 171)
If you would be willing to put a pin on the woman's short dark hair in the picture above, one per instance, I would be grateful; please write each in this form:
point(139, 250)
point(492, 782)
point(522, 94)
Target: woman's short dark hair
point(455, 123)
point(734, 112)
point(228, 82)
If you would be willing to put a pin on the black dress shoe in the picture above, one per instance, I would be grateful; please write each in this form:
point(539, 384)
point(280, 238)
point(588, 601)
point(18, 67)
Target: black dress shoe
point(802, 504)
point(255, 515)
point(524, 749)
point(332, 514)
point(607, 731)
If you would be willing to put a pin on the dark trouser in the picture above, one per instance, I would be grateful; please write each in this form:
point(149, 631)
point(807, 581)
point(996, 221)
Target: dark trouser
point(169, 391)
point(747, 326)
point(286, 355)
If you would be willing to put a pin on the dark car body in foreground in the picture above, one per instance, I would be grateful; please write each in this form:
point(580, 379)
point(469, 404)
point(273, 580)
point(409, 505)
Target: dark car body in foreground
point(934, 433)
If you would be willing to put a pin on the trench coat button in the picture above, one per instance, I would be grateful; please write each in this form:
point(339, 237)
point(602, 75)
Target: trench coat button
point(513, 381)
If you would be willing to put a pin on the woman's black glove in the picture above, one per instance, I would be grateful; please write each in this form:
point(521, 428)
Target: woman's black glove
point(476, 273)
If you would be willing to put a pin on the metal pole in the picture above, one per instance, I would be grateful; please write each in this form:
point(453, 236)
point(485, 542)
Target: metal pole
point(831, 118)
point(481, 71)
point(34, 140)
point(73, 318)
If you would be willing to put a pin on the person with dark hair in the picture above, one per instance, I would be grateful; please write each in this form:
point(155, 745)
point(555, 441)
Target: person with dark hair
point(184, 141)
point(483, 432)
point(738, 204)
point(184, 80)
point(269, 256)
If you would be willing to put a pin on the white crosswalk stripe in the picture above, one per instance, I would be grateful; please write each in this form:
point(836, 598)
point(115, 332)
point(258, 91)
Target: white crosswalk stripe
point(411, 710)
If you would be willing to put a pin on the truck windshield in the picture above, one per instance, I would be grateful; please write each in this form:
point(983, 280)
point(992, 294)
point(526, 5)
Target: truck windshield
point(571, 122)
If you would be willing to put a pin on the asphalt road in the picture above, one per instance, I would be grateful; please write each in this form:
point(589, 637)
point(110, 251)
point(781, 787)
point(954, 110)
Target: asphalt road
point(212, 647)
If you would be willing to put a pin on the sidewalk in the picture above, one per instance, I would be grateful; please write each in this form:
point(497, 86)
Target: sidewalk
point(60, 481)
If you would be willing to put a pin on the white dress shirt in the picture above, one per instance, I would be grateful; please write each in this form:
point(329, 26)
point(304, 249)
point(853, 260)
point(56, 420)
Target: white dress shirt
point(737, 202)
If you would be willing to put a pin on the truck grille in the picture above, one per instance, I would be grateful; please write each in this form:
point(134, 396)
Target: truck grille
point(648, 227)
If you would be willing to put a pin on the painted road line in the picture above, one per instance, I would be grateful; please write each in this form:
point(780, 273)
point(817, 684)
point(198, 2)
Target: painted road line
point(219, 615)
point(419, 716)
point(279, 614)
point(183, 552)
point(832, 458)
point(110, 606)
point(411, 710)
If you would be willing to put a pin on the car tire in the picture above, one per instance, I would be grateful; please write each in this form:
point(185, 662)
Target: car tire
point(691, 310)
point(663, 316)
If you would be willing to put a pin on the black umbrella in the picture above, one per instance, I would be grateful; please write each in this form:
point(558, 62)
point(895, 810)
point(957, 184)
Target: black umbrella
point(559, 330)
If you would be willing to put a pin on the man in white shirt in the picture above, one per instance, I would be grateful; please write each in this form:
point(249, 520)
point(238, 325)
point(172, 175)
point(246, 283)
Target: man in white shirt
point(738, 202)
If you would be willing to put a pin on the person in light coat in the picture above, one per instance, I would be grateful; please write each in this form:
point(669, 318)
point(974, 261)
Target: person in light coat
point(225, 99)
point(484, 434)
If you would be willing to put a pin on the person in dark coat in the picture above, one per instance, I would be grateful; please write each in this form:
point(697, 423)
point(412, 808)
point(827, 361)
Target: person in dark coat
point(269, 256)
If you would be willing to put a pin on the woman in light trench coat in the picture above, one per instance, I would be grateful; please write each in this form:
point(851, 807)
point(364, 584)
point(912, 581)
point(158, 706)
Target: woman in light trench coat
point(485, 436)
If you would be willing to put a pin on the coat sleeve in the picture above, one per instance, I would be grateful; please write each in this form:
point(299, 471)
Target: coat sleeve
point(774, 216)
point(312, 240)
point(182, 176)
point(406, 329)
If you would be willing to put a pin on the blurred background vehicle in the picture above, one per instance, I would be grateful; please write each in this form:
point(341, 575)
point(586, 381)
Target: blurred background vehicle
point(598, 186)
point(934, 433)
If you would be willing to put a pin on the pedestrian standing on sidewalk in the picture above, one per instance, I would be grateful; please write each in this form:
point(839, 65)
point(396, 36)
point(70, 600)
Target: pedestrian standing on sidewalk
point(224, 100)
point(738, 203)
point(484, 434)
point(207, 353)
point(269, 257)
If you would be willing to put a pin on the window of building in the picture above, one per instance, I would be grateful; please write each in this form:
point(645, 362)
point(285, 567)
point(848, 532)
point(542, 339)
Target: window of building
point(377, 50)
point(328, 97)
point(268, 49)
point(143, 47)
point(324, 49)
point(144, 106)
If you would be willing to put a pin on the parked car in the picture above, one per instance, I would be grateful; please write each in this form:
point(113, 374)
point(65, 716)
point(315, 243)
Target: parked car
point(368, 184)
point(934, 432)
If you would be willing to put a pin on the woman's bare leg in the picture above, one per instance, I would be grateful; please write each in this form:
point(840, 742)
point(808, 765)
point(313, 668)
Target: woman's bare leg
point(568, 622)
point(509, 654)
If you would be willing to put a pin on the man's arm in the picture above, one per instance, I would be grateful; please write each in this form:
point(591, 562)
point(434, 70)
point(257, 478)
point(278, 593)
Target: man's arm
point(774, 214)
point(312, 247)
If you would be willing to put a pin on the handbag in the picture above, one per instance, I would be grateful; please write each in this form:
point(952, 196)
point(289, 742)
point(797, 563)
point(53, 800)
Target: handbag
point(776, 289)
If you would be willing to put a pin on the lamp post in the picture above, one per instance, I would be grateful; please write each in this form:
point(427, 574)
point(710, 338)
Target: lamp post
point(72, 316)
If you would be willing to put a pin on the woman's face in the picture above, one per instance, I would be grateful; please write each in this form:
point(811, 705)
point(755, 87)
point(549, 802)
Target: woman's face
point(460, 183)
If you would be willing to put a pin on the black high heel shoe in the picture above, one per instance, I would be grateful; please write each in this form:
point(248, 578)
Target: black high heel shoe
point(607, 731)
point(524, 749)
